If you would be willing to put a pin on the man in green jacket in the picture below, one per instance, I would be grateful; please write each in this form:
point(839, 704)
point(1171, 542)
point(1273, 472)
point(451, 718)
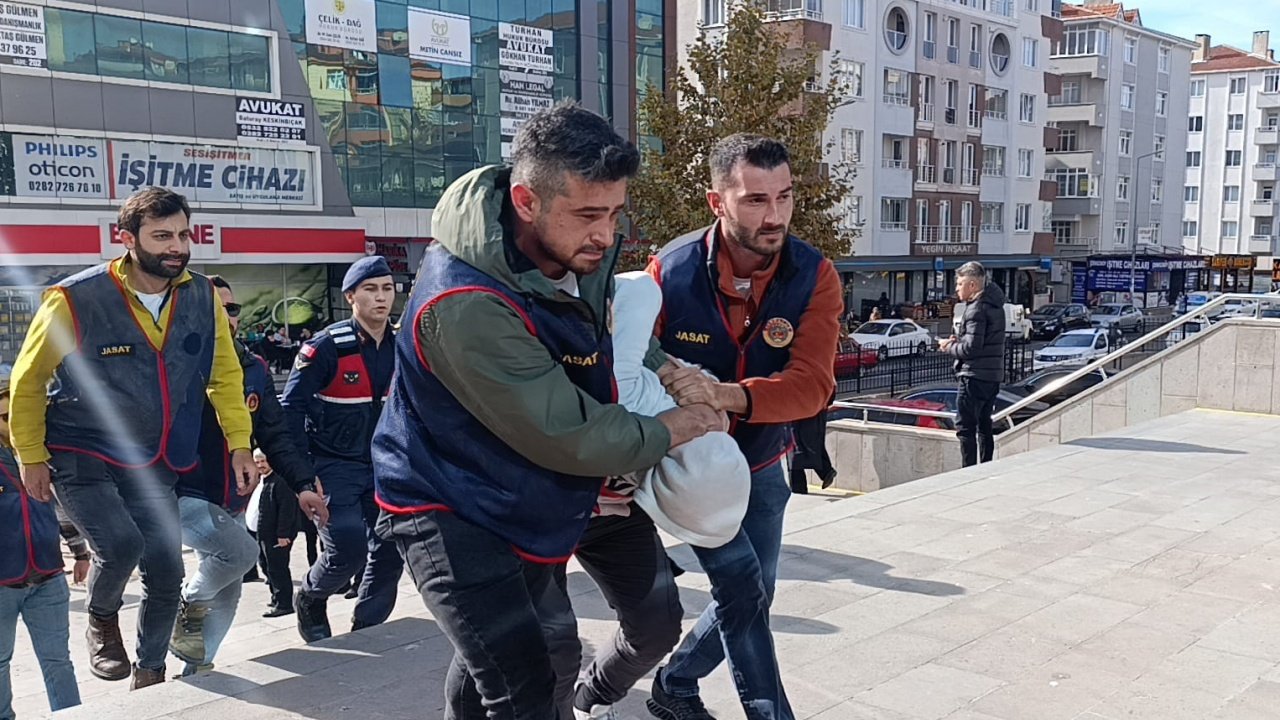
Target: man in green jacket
point(502, 421)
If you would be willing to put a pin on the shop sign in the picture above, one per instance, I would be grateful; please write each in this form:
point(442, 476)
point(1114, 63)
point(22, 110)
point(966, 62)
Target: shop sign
point(1275, 271)
point(350, 24)
point(525, 66)
point(1232, 262)
point(947, 249)
point(259, 119)
point(22, 35)
point(439, 37)
point(210, 173)
point(1145, 264)
point(206, 241)
point(59, 167)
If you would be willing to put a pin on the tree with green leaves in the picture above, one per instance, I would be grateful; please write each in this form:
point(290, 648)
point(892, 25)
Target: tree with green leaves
point(746, 77)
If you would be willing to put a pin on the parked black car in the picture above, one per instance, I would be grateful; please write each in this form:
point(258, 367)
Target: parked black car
point(1052, 320)
point(1052, 377)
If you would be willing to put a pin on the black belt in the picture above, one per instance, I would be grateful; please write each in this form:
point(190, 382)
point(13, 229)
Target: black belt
point(34, 581)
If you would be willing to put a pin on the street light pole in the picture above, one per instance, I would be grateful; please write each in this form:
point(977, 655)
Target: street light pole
point(1133, 225)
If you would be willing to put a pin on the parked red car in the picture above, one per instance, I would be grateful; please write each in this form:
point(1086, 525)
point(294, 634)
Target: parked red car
point(852, 356)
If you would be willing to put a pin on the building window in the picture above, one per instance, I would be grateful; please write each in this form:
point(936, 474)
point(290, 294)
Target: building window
point(1027, 108)
point(993, 217)
point(1000, 53)
point(924, 113)
point(855, 13)
point(893, 214)
point(1122, 187)
point(1230, 229)
point(975, 116)
point(1235, 121)
point(1022, 217)
point(1238, 85)
point(713, 12)
point(1191, 194)
point(1197, 88)
point(997, 104)
point(1231, 194)
point(1195, 123)
point(896, 30)
point(1157, 190)
point(1068, 140)
point(1130, 49)
point(930, 43)
point(851, 146)
point(993, 160)
point(1026, 162)
point(1162, 60)
point(1126, 143)
point(1083, 39)
point(951, 93)
point(975, 46)
point(1073, 183)
point(896, 90)
point(1032, 5)
point(1070, 94)
point(1162, 103)
point(953, 41)
point(1190, 228)
point(1126, 97)
point(1270, 81)
point(1193, 158)
point(1233, 158)
point(1157, 143)
point(849, 76)
point(1029, 48)
point(1122, 234)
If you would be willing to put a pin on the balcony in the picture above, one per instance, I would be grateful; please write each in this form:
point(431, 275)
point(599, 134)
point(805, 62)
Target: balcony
point(1073, 246)
point(800, 22)
point(1268, 99)
point(902, 100)
point(1003, 8)
point(1094, 66)
point(1262, 244)
point(1067, 207)
point(969, 176)
point(996, 114)
point(927, 174)
point(892, 226)
point(993, 170)
point(1265, 171)
point(894, 164)
point(1263, 207)
point(1267, 135)
point(1085, 111)
point(935, 240)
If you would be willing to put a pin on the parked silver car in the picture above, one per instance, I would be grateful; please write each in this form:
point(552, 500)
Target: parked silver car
point(1126, 317)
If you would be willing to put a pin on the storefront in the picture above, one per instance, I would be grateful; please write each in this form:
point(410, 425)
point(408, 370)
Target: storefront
point(1157, 280)
point(1231, 273)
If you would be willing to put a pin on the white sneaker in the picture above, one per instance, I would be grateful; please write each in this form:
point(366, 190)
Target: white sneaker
point(599, 712)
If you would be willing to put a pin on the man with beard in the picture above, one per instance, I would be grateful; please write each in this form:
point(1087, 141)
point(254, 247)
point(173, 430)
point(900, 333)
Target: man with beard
point(503, 418)
point(760, 309)
point(108, 392)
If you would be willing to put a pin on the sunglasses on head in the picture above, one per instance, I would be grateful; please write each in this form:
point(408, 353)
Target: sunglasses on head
point(233, 309)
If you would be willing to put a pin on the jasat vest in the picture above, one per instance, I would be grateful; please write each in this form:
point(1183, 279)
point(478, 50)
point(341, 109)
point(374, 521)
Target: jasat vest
point(696, 326)
point(212, 479)
point(431, 454)
point(116, 397)
point(28, 529)
point(342, 417)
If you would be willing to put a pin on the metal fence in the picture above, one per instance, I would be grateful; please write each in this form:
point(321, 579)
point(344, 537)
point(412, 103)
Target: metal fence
point(906, 368)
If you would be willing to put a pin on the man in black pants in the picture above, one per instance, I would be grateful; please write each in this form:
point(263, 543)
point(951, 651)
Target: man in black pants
point(979, 354)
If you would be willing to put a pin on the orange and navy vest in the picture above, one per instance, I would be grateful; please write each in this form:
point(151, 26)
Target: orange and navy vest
point(342, 416)
point(28, 529)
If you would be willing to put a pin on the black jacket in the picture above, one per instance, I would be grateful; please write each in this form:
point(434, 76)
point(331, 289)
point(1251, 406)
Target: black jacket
point(979, 350)
point(279, 516)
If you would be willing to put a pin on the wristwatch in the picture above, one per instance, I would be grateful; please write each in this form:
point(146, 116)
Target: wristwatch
point(308, 486)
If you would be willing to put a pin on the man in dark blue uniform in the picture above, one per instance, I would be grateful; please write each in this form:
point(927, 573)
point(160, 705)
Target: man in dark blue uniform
point(332, 401)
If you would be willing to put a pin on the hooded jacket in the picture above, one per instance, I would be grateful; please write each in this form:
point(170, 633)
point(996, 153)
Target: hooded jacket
point(979, 348)
point(492, 340)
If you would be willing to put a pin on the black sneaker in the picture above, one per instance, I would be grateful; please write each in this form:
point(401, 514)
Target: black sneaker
point(313, 617)
point(664, 706)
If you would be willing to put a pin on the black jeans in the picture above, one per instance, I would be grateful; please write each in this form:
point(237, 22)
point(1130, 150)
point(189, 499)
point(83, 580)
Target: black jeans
point(625, 557)
point(488, 601)
point(973, 420)
point(275, 569)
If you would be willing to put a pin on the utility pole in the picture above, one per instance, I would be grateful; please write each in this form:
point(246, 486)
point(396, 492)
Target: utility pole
point(1133, 225)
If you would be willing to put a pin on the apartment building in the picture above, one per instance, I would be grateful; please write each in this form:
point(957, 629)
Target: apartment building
point(946, 125)
point(1121, 142)
point(1233, 131)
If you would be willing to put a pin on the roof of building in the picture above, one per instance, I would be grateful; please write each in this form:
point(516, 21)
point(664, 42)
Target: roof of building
point(1223, 58)
point(1112, 11)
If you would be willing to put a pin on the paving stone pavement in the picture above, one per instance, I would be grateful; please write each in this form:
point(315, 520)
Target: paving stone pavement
point(1132, 575)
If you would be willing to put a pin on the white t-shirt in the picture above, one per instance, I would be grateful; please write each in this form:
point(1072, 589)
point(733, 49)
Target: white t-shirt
point(567, 284)
point(253, 511)
point(153, 302)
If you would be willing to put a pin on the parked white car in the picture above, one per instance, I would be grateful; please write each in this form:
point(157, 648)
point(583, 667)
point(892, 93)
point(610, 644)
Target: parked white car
point(1017, 322)
point(1073, 348)
point(893, 337)
point(1124, 316)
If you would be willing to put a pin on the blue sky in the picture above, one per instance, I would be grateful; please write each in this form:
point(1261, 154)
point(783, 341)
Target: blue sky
point(1230, 22)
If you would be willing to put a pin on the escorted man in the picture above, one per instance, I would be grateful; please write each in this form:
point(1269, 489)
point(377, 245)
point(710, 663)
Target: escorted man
point(132, 348)
point(212, 507)
point(332, 399)
point(502, 422)
point(760, 309)
point(979, 354)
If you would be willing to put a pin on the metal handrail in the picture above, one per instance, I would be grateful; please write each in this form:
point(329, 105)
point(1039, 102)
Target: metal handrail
point(866, 407)
point(1202, 312)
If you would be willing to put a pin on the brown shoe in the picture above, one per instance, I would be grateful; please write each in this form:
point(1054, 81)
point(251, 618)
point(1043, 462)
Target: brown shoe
point(143, 677)
point(107, 658)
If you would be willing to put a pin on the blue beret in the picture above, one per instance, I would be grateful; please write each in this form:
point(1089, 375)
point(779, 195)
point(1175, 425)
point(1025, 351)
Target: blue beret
point(363, 269)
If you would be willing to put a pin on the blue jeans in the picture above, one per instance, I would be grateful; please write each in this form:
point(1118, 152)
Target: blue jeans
point(350, 540)
point(225, 552)
point(130, 518)
point(736, 622)
point(44, 610)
